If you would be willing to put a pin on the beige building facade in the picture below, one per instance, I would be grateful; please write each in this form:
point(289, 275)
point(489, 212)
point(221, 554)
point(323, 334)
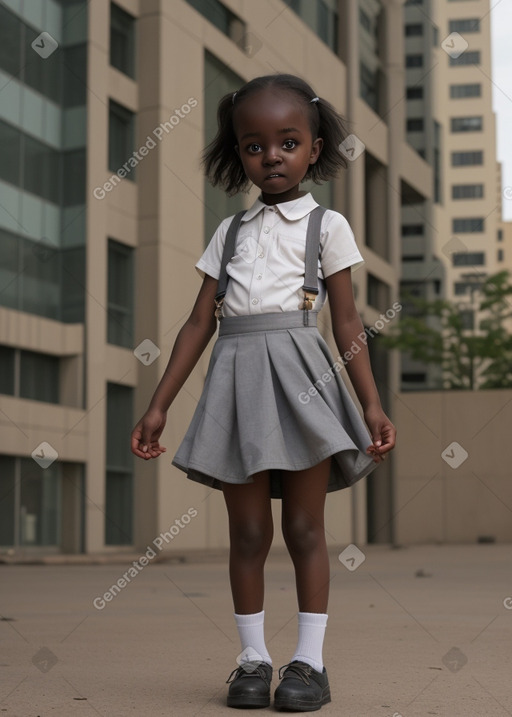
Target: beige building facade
point(98, 275)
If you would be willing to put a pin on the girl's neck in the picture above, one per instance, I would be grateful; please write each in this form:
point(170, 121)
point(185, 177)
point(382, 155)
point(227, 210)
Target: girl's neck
point(272, 199)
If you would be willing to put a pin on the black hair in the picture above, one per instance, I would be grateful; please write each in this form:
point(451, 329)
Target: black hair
point(222, 164)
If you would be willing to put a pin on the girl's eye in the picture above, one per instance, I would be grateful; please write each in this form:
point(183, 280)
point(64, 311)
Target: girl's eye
point(290, 144)
point(254, 148)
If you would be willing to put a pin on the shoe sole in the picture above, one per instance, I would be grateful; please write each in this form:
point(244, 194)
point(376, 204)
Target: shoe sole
point(292, 705)
point(241, 702)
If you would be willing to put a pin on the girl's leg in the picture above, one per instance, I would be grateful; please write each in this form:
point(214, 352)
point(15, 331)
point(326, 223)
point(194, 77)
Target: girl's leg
point(304, 685)
point(304, 533)
point(250, 533)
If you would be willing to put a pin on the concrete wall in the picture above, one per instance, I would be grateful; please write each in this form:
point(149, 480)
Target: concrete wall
point(441, 494)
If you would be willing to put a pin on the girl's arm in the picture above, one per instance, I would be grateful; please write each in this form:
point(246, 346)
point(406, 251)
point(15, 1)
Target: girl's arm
point(190, 343)
point(347, 326)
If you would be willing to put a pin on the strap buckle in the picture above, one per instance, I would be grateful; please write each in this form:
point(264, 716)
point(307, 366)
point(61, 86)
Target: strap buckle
point(219, 314)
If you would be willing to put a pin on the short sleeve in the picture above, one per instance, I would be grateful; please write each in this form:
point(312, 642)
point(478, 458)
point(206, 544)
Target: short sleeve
point(211, 259)
point(338, 245)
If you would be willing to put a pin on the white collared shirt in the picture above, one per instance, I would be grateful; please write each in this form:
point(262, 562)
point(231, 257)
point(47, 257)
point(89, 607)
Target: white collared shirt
point(266, 273)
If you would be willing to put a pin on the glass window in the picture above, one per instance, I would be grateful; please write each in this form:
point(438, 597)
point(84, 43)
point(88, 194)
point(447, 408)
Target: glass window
point(10, 151)
point(377, 293)
point(467, 25)
point(216, 13)
point(415, 93)
point(466, 124)
point(7, 385)
point(121, 137)
point(415, 124)
point(321, 16)
point(414, 60)
point(73, 177)
point(500, 255)
point(11, 28)
point(122, 40)
point(500, 234)
point(461, 288)
point(74, 75)
point(467, 317)
point(119, 479)
point(414, 30)
point(468, 258)
point(466, 159)
point(41, 169)
point(39, 377)
point(414, 377)
point(468, 225)
point(412, 230)
point(40, 280)
point(7, 498)
point(327, 24)
point(72, 284)
point(120, 294)
point(43, 76)
point(467, 58)
point(364, 20)
point(467, 191)
point(10, 269)
point(469, 90)
point(39, 503)
point(369, 86)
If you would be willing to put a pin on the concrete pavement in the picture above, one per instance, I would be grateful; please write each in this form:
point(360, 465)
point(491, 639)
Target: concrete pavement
point(412, 632)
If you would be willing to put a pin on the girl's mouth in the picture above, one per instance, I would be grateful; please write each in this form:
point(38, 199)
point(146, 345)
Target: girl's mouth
point(274, 176)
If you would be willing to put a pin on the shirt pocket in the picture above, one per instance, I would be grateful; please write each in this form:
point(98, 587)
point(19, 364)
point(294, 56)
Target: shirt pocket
point(245, 250)
point(290, 251)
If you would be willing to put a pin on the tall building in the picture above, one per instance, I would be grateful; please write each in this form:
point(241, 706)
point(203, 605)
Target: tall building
point(451, 247)
point(105, 109)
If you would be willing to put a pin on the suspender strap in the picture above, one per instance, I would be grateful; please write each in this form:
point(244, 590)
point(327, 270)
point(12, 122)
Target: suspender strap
point(227, 254)
point(312, 250)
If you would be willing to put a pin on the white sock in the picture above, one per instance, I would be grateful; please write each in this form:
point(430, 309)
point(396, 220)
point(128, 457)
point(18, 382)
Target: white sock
point(311, 639)
point(250, 629)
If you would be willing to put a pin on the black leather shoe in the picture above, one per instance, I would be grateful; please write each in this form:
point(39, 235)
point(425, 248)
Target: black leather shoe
point(250, 685)
point(302, 688)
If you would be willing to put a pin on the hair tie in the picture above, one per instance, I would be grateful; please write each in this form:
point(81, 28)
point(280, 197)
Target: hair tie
point(233, 98)
point(315, 99)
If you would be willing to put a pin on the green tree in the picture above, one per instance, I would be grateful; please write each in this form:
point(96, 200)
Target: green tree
point(436, 332)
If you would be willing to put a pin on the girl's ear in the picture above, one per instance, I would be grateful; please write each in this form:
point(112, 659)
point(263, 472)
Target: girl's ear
point(315, 150)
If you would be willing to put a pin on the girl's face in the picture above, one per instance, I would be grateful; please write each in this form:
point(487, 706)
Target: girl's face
point(275, 143)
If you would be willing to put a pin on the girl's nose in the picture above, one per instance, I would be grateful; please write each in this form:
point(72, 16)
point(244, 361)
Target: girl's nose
point(272, 157)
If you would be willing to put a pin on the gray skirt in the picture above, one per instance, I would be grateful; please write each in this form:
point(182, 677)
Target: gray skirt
point(273, 400)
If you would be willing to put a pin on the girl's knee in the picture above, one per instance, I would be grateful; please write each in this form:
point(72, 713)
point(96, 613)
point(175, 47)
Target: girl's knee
point(302, 535)
point(251, 538)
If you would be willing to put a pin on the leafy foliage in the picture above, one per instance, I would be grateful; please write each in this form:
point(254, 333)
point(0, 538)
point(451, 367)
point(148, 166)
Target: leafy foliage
point(436, 332)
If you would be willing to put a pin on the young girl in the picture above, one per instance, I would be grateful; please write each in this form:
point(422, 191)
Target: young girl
point(275, 419)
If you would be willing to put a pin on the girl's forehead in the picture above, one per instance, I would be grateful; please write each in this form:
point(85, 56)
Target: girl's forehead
point(272, 96)
point(269, 107)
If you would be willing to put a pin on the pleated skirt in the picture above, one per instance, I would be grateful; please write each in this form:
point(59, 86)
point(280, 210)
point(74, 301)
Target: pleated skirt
point(273, 399)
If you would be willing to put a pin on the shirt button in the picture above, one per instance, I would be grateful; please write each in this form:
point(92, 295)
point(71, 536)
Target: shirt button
point(261, 254)
point(260, 276)
point(254, 301)
point(266, 230)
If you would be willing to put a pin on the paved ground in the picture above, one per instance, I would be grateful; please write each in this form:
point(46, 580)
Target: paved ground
point(412, 632)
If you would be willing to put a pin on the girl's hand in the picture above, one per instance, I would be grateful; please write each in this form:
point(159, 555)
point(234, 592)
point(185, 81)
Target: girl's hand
point(145, 436)
point(382, 431)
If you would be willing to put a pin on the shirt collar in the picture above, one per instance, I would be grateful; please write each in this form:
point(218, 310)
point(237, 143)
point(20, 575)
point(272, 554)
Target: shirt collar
point(292, 210)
